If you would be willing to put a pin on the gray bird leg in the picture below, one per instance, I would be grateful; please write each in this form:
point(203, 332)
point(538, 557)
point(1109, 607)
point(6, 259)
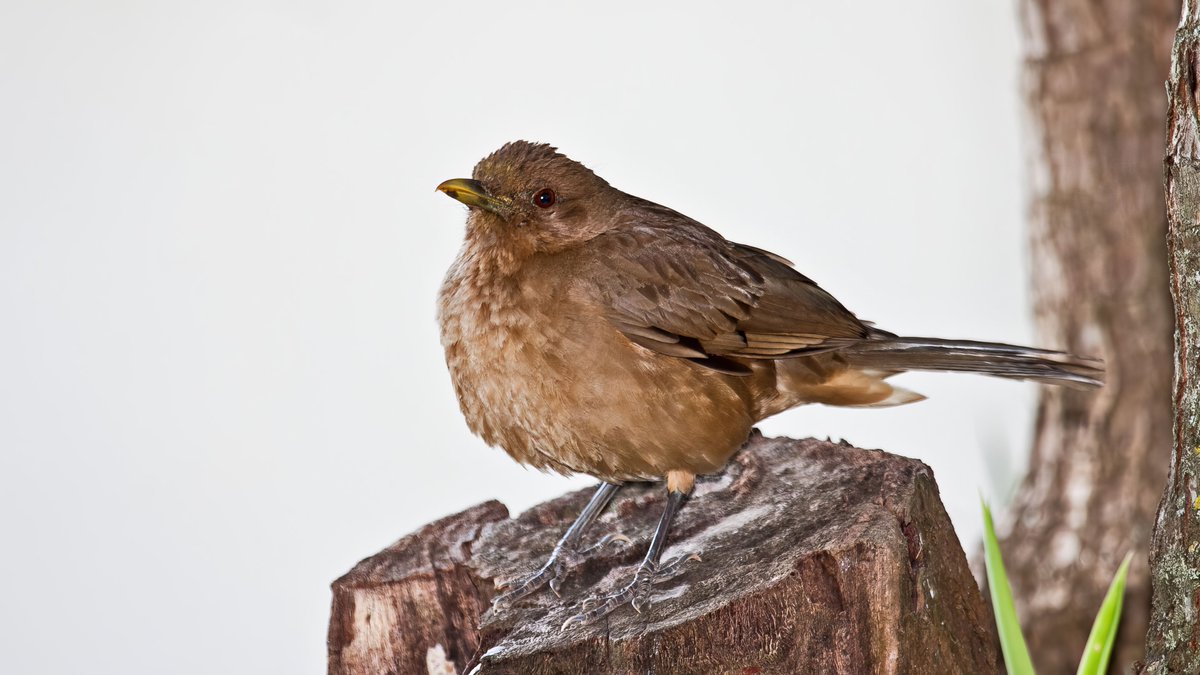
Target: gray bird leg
point(567, 550)
point(637, 592)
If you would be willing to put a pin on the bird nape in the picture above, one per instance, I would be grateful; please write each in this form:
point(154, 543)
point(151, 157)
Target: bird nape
point(587, 330)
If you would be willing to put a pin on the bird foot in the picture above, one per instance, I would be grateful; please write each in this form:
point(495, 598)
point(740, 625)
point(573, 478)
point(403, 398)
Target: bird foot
point(554, 571)
point(637, 593)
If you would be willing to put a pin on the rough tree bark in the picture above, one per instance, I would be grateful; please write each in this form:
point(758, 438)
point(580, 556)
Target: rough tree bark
point(1093, 83)
point(1173, 641)
point(817, 558)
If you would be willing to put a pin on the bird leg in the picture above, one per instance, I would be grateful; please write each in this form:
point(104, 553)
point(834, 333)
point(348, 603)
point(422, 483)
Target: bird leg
point(567, 550)
point(637, 592)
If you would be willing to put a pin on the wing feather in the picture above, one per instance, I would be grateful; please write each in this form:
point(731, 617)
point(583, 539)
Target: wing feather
point(676, 287)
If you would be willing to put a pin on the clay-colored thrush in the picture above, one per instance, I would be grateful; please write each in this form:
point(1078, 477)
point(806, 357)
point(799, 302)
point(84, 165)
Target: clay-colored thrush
point(590, 331)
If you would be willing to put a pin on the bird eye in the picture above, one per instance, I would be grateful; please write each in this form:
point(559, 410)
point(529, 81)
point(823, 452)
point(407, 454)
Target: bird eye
point(544, 198)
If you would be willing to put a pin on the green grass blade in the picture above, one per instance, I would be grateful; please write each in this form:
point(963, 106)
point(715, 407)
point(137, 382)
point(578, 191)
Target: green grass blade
point(1016, 655)
point(1104, 629)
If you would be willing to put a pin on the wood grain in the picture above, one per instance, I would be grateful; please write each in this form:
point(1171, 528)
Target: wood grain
point(817, 557)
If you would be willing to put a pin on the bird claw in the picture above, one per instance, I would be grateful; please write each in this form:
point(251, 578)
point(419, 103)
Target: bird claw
point(612, 537)
point(550, 573)
point(554, 571)
point(677, 563)
point(636, 593)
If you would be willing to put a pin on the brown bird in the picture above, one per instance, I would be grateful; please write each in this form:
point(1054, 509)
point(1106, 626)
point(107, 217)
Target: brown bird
point(587, 330)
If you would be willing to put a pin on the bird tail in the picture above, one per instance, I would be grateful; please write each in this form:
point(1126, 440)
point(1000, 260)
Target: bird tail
point(893, 353)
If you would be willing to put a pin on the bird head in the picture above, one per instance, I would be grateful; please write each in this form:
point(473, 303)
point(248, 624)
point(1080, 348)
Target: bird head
point(530, 194)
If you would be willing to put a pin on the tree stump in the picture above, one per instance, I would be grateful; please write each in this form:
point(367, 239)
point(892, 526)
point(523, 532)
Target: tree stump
point(817, 557)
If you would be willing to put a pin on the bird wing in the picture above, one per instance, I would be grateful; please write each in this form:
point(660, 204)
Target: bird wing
point(677, 287)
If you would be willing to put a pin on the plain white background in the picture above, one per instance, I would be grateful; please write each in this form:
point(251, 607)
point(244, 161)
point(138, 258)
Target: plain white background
point(220, 378)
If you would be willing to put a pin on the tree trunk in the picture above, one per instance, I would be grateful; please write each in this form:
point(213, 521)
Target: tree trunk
point(1093, 82)
point(1173, 641)
point(817, 558)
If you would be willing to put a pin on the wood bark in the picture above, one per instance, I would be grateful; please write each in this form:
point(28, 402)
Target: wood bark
point(1173, 641)
point(1093, 82)
point(817, 558)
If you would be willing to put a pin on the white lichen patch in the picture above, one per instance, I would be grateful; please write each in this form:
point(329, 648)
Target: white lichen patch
point(732, 524)
point(436, 662)
point(671, 593)
point(494, 651)
point(705, 487)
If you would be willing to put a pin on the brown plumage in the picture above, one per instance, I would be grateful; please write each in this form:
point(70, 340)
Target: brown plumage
point(587, 330)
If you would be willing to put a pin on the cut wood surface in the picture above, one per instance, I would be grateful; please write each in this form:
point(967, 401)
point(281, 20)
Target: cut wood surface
point(817, 557)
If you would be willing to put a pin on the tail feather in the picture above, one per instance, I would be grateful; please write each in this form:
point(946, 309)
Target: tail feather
point(888, 352)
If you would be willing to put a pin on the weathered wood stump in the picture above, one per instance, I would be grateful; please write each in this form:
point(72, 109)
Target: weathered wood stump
point(817, 558)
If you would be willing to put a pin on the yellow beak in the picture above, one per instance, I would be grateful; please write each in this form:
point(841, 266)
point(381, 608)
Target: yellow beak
point(473, 194)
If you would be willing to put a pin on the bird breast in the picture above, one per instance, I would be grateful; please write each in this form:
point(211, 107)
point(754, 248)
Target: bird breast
point(540, 372)
point(500, 345)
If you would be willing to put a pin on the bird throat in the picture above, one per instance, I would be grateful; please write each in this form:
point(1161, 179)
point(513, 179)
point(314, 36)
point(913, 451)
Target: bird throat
point(495, 249)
